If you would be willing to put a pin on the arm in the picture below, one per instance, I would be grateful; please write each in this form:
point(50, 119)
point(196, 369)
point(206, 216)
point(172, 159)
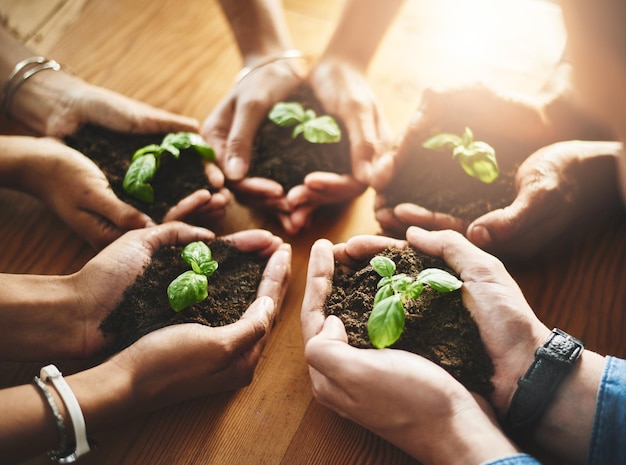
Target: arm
point(419, 408)
point(511, 333)
point(56, 103)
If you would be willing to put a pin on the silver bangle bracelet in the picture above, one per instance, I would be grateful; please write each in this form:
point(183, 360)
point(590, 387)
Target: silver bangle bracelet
point(22, 71)
point(286, 55)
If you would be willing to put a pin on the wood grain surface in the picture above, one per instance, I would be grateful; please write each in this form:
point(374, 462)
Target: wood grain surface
point(180, 55)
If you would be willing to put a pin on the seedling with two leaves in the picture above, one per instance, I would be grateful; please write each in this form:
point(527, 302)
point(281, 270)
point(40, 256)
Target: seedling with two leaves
point(146, 161)
point(477, 158)
point(386, 322)
point(191, 286)
point(315, 129)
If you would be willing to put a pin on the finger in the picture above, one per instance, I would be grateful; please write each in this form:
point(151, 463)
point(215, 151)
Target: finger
point(258, 241)
point(188, 205)
point(318, 287)
point(276, 275)
point(460, 254)
point(254, 324)
point(259, 188)
point(366, 246)
point(173, 233)
point(246, 121)
point(216, 127)
point(415, 215)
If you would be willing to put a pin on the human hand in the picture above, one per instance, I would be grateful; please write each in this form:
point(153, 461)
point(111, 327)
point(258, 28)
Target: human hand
point(232, 125)
point(100, 284)
point(557, 186)
point(186, 361)
point(508, 326)
point(74, 188)
point(56, 104)
point(420, 407)
point(350, 99)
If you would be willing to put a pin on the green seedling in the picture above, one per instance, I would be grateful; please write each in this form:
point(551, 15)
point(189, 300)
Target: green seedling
point(315, 129)
point(192, 286)
point(477, 158)
point(146, 161)
point(386, 322)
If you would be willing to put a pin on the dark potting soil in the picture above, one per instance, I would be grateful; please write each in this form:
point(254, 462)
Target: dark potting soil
point(112, 152)
point(436, 181)
point(278, 156)
point(438, 326)
point(145, 306)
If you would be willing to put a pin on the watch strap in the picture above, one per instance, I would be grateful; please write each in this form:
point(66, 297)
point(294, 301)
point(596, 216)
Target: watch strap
point(536, 389)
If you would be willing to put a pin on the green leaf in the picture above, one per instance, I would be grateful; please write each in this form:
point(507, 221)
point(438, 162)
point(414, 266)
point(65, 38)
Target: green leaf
point(151, 149)
point(384, 266)
point(383, 293)
point(171, 148)
point(137, 177)
point(400, 282)
point(187, 289)
point(322, 130)
point(200, 145)
point(479, 161)
point(287, 114)
point(468, 137)
point(199, 256)
point(442, 141)
point(440, 280)
point(414, 290)
point(386, 322)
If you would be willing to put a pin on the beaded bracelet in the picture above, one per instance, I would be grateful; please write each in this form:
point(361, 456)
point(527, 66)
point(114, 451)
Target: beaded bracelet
point(22, 71)
point(286, 55)
point(57, 417)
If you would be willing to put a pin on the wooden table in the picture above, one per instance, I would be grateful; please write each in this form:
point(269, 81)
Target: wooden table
point(181, 56)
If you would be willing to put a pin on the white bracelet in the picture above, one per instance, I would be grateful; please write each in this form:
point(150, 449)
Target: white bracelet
point(286, 55)
point(52, 373)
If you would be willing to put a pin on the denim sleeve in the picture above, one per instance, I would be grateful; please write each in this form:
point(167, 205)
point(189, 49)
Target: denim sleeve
point(517, 459)
point(608, 444)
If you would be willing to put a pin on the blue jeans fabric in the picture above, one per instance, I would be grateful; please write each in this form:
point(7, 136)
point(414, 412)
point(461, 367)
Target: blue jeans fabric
point(608, 438)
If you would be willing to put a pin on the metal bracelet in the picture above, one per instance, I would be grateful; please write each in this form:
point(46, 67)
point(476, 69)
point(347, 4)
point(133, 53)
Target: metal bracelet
point(286, 55)
point(22, 71)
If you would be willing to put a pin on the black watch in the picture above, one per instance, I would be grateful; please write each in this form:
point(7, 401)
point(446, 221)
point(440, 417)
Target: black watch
point(536, 389)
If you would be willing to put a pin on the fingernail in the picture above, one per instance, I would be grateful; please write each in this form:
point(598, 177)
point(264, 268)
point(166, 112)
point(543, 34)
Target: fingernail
point(480, 236)
point(236, 168)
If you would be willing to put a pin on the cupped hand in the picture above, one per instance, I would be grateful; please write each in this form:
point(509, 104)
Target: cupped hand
point(186, 361)
point(232, 125)
point(508, 326)
point(557, 187)
point(75, 189)
point(419, 407)
point(57, 103)
point(344, 93)
point(100, 284)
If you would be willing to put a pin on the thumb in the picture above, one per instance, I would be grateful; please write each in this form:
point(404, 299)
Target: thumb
point(333, 329)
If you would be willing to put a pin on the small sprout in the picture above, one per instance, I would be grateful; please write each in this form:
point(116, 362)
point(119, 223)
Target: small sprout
point(192, 286)
point(315, 129)
point(386, 322)
point(477, 158)
point(146, 160)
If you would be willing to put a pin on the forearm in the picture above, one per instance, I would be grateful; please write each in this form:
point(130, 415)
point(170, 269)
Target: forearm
point(37, 319)
point(29, 428)
point(259, 28)
point(566, 427)
point(360, 29)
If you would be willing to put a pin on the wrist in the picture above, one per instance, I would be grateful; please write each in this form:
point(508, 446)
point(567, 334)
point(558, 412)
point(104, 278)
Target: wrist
point(472, 437)
point(37, 312)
